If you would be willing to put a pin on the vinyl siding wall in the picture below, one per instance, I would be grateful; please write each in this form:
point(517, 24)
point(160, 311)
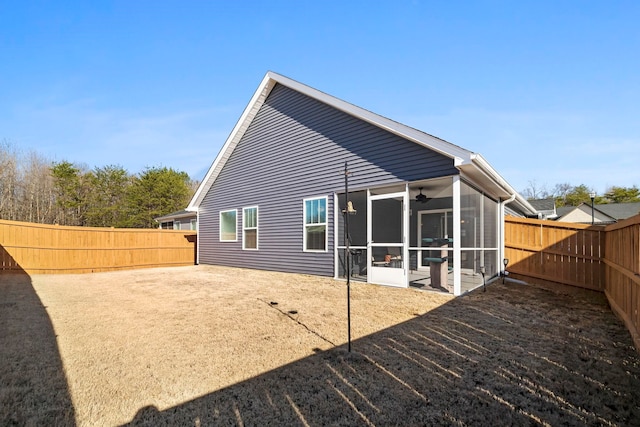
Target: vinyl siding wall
point(295, 148)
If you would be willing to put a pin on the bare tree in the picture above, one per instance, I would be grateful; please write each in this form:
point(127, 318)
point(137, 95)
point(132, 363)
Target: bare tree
point(26, 186)
point(535, 191)
point(561, 192)
point(38, 196)
point(9, 178)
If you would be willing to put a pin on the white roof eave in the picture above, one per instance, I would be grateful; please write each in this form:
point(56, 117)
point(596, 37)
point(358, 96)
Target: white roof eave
point(463, 159)
point(458, 154)
point(479, 168)
point(234, 137)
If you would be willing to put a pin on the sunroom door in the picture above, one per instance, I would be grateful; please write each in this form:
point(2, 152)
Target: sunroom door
point(386, 246)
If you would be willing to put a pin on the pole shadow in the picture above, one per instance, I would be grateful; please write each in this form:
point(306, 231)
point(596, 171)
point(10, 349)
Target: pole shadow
point(515, 355)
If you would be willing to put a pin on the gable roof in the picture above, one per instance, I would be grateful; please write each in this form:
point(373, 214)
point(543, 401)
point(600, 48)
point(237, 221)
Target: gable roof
point(176, 215)
point(472, 164)
point(548, 204)
point(582, 214)
point(620, 210)
point(615, 211)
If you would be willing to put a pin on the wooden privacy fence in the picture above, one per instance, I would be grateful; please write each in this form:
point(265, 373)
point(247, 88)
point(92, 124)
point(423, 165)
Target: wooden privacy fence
point(558, 252)
point(594, 257)
point(622, 273)
point(50, 249)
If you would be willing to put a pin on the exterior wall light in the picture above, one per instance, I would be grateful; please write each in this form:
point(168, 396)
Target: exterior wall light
point(506, 273)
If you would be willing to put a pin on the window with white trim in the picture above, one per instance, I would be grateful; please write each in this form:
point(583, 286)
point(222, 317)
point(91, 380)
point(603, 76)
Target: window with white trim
point(315, 225)
point(250, 228)
point(228, 226)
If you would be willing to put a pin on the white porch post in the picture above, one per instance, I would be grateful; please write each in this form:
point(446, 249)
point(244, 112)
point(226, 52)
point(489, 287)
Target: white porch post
point(369, 236)
point(501, 209)
point(501, 254)
point(336, 237)
point(406, 221)
point(457, 276)
point(482, 233)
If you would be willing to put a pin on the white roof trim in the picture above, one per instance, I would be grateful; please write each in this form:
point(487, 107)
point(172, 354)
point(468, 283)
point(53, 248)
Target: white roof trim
point(460, 156)
point(487, 169)
point(436, 144)
point(236, 134)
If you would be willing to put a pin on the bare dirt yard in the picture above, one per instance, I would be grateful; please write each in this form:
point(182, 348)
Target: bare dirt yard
point(207, 345)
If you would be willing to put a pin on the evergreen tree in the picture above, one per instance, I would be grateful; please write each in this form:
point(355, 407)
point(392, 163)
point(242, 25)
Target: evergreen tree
point(156, 192)
point(623, 194)
point(107, 199)
point(575, 196)
point(71, 190)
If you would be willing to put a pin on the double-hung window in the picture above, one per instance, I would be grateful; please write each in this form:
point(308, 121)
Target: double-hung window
point(315, 225)
point(228, 226)
point(250, 228)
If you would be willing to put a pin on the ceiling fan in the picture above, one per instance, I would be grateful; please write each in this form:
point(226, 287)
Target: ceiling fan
point(421, 197)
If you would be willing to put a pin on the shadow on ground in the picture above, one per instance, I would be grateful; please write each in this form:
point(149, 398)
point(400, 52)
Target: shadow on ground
point(33, 386)
point(515, 355)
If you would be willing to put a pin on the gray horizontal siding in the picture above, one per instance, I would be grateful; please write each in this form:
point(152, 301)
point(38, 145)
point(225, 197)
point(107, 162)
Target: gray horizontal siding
point(295, 148)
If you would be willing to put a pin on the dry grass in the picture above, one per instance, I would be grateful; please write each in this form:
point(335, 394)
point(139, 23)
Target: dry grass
point(208, 345)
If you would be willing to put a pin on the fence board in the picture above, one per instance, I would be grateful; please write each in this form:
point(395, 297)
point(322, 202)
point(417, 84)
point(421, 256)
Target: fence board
point(50, 249)
point(593, 257)
point(622, 272)
point(556, 252)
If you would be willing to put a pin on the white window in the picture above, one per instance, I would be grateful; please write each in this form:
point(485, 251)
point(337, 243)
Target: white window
point(315, 225)
point(176, 225)
point(228, 226)
point(194, 224)
point(250, 228)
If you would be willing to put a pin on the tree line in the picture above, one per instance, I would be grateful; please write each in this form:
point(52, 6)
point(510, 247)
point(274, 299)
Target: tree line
point(35, 189)
point(569, 195)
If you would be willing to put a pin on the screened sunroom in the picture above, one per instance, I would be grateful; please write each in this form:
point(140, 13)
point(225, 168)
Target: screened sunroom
point(440, 234)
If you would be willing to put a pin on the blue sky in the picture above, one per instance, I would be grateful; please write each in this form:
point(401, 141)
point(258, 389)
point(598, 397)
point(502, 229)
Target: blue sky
point(547, 91)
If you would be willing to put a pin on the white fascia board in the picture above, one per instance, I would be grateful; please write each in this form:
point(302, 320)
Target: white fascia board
point(234, 137)
point(484, 166)
point(177, 216)
point(459, 154)
point(462, 158)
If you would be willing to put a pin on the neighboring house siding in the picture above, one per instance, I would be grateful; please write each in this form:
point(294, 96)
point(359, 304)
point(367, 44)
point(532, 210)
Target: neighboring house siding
point(295, 148)
point(185, 224)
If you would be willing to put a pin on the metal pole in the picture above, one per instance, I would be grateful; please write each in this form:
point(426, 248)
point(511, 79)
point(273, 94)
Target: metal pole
point(347, 251)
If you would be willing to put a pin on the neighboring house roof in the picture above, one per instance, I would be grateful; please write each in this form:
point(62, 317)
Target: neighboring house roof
point(472, 164)
point(604, 213)
point(176, 215)
point(544, 204)
point(620, 211)
point(545, 207)
point(582, 214)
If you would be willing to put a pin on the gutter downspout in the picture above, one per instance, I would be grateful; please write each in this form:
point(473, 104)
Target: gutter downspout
point(502, 233)
point(490, 173)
